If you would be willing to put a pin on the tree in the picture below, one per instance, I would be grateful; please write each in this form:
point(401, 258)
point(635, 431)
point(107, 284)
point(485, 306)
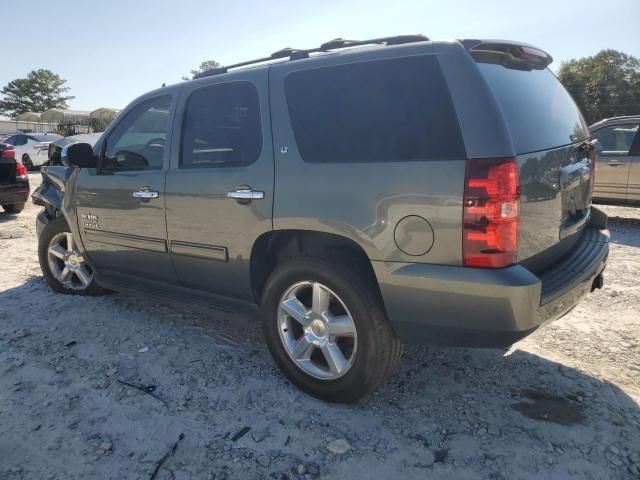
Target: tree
point(603, 85)
point(204, 66)
point(40, 91)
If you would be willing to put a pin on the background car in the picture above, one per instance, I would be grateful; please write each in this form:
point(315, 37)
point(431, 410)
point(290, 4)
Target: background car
point(14, 181)
point(32, 148)
point(618, 164)
point(55, 148)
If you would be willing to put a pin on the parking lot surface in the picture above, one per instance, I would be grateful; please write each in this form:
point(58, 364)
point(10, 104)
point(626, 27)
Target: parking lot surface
point(105, 388)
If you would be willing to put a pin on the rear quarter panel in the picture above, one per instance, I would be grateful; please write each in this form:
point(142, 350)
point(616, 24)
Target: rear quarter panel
point(364, 201)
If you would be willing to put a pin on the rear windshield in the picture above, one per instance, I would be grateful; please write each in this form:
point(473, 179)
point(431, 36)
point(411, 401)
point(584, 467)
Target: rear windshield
point(376, 111)
point(539, 112)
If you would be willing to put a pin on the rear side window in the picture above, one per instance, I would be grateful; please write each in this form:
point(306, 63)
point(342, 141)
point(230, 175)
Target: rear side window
point(538, 110)
point(221, 127)
point(380, 111)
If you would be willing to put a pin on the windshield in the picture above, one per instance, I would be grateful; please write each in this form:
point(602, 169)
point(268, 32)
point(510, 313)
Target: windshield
point(539, 111)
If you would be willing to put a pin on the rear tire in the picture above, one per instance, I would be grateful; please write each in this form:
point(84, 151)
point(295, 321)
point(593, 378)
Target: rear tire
point(26, 161)
point(71, 276)
point(14, 208)
point(376, 351)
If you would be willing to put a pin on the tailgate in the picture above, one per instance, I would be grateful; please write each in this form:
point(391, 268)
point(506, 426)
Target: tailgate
point(555, 197)
point(7, 171)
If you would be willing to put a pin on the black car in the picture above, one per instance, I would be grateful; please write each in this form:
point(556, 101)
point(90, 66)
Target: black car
point(14, 181)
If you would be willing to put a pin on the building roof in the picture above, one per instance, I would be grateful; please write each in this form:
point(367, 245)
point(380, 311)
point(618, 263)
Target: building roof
point(28, 117)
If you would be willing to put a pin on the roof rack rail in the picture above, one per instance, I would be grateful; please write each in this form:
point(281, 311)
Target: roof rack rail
point(335, 44)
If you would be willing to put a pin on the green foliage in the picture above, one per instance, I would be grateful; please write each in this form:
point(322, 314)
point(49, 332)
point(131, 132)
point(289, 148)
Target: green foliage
point(40, 91)
point(204, 66)
point(603, 85)
point(99, 124)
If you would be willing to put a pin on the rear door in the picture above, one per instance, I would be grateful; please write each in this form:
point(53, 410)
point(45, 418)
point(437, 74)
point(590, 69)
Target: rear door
point(219, 194)
point(614, 160)
point(120, 206)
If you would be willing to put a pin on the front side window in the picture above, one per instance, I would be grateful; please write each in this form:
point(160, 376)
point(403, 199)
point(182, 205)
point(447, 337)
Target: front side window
point(616, 140)
point(138, 141)
point(393, 110)
point(221, 127)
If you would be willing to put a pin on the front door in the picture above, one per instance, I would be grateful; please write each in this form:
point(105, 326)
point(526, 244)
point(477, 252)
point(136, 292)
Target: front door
point(219, 193)
point(120, 205)
point(614, 161)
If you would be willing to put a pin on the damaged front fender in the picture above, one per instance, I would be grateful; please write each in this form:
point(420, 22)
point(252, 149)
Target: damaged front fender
point(50, 194)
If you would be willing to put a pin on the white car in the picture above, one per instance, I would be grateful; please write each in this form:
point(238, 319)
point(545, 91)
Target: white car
point(32, 149)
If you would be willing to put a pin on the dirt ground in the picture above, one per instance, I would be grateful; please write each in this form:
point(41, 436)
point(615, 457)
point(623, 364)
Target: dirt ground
point(561, 404)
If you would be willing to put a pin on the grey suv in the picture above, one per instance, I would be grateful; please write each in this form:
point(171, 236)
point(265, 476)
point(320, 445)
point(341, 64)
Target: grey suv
point(363, 194)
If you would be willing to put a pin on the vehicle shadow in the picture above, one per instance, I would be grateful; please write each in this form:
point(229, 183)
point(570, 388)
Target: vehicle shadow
point(625, 231)
point(514, 413)
point(7, 217)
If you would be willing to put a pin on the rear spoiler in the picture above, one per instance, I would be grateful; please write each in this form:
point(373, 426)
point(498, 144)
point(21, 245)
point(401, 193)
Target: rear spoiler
point(518, 56)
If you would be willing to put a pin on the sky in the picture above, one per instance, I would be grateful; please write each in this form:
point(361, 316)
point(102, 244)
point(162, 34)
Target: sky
point(111, 52)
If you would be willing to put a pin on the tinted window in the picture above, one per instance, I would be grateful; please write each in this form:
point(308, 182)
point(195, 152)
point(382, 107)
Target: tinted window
point(16, 140)
point(138, 140)
point(221, 126)
point(539, 112)
point(380, 111)
point(616, 140)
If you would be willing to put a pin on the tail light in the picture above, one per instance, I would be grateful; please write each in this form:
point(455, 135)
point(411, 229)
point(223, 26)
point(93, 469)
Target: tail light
point(21, 173)
point(8, 153)
point(491, 210)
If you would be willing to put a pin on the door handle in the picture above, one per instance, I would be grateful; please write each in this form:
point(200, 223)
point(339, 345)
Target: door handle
point(245, 194)
point(145, 194)
point(615, 163)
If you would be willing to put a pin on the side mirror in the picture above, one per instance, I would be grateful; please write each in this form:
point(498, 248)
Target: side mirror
point(78, 155)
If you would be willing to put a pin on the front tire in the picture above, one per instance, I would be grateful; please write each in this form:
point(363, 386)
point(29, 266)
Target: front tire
point(326, 328)
point(14, 208)
point(63, 266)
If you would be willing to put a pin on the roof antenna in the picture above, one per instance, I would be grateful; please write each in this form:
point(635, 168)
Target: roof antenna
point(163, 85)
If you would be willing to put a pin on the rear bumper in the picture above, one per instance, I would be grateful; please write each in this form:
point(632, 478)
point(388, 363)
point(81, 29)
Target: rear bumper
point(457, 306)
point(14, 193)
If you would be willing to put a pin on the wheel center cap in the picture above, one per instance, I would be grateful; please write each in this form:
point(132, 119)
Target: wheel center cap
point(73, 261)
point(318, 328)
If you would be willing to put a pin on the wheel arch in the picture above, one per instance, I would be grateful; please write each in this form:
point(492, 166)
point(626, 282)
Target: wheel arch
point(276, 246)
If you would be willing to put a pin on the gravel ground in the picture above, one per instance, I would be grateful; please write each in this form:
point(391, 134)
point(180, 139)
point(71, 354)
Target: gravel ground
point(563, 403)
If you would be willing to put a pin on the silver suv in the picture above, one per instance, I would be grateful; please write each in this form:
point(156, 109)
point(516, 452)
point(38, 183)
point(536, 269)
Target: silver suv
point(363, 194)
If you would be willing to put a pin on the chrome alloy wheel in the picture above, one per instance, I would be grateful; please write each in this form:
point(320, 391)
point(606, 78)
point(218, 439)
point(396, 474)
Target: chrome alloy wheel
point(317, 330)
point(67, 264)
